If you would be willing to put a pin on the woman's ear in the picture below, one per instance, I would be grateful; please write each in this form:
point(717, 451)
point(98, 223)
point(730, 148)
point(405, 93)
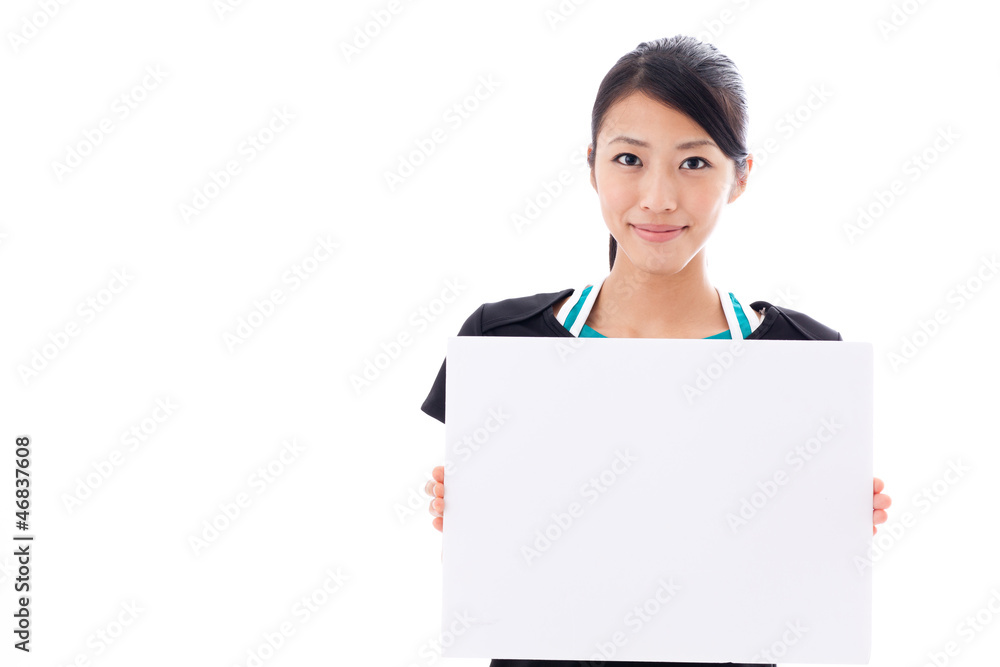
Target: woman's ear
point(740, 184)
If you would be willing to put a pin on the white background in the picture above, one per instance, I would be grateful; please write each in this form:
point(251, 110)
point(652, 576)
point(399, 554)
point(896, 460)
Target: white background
point(366, 454)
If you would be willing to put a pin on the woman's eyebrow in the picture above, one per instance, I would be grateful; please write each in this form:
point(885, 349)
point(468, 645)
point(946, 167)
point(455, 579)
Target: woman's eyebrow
point(681, 146)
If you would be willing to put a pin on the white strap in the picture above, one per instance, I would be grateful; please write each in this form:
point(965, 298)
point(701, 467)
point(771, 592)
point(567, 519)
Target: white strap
point(727, 307)
point(581, 317)
point(568, 306)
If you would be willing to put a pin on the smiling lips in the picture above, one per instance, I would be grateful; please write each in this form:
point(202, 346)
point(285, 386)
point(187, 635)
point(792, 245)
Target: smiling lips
point(658, 233)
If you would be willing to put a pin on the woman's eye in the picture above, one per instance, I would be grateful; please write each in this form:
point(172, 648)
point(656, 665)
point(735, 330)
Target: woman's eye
point(626, 155)
point(632, 161)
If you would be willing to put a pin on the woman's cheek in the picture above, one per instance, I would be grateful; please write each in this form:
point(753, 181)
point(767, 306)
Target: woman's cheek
point(617, 197)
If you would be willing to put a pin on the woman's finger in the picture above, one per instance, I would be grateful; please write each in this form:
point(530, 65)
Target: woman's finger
point(879, 516)
point(878, 485)
point(880, 501)
point(436, 506)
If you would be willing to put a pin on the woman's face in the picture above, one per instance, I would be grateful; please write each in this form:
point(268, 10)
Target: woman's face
point(651, 170)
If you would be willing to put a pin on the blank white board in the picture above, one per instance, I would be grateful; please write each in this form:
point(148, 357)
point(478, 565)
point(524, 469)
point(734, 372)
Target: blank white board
point(647, 499)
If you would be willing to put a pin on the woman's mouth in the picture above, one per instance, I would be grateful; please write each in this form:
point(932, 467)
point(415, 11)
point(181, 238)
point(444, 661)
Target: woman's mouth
point(658, 233)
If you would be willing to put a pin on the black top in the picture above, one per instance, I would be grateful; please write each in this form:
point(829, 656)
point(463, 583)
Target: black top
point(532, 316)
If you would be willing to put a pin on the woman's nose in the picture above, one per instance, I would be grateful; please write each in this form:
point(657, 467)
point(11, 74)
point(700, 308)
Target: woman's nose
point(657, 192)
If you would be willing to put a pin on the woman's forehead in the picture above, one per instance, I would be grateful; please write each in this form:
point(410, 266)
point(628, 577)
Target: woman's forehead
point(649, 120)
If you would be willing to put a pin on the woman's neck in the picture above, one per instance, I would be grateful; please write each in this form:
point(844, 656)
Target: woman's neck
point(638, 304)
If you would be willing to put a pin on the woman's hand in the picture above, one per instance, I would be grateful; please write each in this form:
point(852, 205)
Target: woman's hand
point(435, 489)
point(880, 502)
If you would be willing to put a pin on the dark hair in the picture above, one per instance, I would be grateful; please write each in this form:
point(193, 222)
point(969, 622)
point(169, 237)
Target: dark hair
point(691, 76)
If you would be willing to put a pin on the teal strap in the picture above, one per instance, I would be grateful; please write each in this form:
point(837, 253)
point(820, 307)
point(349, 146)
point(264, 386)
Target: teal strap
point(571, 318)
point(740, 316)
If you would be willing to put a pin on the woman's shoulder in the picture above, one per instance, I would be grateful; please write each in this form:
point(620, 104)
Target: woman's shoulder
point(495, 314)
point(783, 323)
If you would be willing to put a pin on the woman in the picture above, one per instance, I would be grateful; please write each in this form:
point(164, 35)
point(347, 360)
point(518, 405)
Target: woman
point(668, 151)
